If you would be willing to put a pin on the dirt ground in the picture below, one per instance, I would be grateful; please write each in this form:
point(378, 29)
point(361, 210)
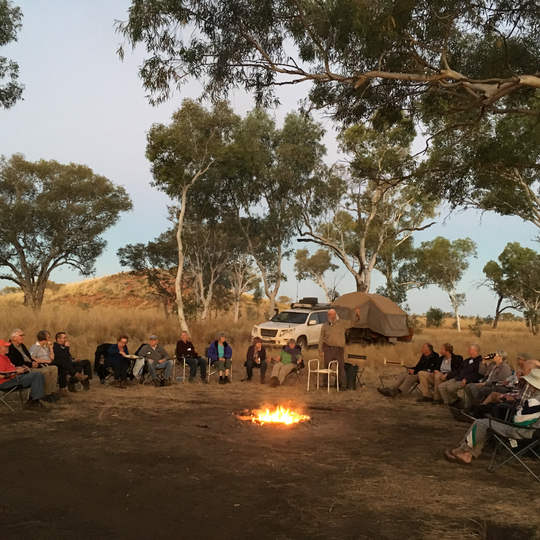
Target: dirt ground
point(175, 462)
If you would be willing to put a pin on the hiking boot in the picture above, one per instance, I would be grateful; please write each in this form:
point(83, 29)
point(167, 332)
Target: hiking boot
point(86, 385)
point(437, 402)
point(384, 391)
point(156, 382)
point(221, 381)
point(191, 379)
point(274, 381)
point(424, 399)
point(204, 380)
point(71, 387)
point(263, 381)
point(226, 380)
point(123, 384)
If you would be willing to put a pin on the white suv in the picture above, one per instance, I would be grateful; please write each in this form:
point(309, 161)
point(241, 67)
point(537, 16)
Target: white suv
point(301, 322)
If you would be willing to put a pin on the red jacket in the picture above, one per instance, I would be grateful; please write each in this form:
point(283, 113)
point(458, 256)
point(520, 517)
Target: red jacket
point(5, 367)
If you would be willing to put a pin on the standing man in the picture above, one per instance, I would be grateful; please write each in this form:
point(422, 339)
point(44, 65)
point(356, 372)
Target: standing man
point(332, 342)
point(21, 356)
point(157, 359)
point(186, 350)
point(467, 373)
point(256, 358)
point(11, 375)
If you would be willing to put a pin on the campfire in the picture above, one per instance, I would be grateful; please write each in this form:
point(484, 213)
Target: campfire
point(280, 415)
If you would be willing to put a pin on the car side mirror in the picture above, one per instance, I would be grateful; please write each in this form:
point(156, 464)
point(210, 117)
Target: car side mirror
point(312, 322)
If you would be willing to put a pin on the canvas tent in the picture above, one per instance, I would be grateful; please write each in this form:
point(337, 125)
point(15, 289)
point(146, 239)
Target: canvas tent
point(375, 312)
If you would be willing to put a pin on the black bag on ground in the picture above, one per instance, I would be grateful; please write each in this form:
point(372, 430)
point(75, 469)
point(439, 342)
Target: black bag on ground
point(351, 371)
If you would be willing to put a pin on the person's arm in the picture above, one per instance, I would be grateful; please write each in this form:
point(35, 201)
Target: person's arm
point(164, 355)
point(227, 353)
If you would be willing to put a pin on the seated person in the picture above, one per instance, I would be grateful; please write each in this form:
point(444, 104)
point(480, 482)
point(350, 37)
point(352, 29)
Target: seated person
point(494, 370)
point(70, 370)
point(119, 359)
point(102, 361)
point(21, 356)
point(429, 361)
point(527, 415)
point(157, 359)
point(220, 354)
point(256, 358)
point(511, 390)
point(290, 358)
point(186, 350)
point(467, 373)
point(450, 363)
point(11, 376)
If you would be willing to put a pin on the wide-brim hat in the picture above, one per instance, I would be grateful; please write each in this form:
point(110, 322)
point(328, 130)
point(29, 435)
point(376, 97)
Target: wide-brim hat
point(533, 378)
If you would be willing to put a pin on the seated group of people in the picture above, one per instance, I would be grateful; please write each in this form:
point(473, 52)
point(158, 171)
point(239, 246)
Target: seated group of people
point(47, 368)
point(486, 388)
point(153, 359)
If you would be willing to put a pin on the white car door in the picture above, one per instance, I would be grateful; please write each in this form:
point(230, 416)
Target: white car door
point(313, 328)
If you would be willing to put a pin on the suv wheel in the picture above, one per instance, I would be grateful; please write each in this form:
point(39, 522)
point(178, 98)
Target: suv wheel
point(302, 342)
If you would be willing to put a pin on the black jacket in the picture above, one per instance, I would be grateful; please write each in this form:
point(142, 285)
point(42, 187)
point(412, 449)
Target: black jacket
point(185, 350)
point(431, 362)
point(468, 370)
point(455, 364)
point(251, 353)
point(17, 358)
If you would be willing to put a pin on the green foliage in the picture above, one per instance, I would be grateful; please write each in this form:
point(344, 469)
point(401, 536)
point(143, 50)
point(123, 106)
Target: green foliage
point(52, 215)
point(434, 317)
point(314, 267)
point(491, 164)
point(157, 261)
point(461, 57)
point(10, 23)
point(516, 277)
point(374, 207)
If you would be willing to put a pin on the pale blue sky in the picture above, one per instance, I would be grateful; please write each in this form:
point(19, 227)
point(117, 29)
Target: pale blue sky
point(81, 104)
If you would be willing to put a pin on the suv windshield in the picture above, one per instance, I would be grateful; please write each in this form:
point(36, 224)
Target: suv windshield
point(291, 317)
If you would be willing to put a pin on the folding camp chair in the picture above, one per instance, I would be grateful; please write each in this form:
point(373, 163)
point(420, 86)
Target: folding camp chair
point(5, 393)
point(211, 370)
point(360, 372)
point(517, 448)
point(382, 378)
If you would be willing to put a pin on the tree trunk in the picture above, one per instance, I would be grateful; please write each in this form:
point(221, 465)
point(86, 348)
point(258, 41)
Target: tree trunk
point(236, 312)
point(33, 295)
point(179, 273)
point(322, 285)
point(360, 283)
point(207, 300)
point(497, 312)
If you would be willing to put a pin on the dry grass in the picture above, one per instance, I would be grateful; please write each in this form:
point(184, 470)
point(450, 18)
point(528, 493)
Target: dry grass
point(89, 327)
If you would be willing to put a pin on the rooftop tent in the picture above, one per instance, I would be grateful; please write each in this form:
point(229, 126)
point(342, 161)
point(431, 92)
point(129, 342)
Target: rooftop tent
point(375, 312)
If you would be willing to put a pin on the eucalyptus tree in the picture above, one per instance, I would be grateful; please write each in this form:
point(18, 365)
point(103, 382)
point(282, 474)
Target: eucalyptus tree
point(314, 267)
point(10, 23)
point(516, 278)
point(181, 154)
point(442, 263)
point(52, 215)
point(374, 204)
point(459, 57)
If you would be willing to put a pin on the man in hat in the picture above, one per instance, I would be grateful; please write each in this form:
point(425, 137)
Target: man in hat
point(527, 415)
point(220, 354)
point(11, 376)
point(157, 360)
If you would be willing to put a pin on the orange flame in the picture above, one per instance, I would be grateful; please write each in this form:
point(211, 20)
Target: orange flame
point(279, 415)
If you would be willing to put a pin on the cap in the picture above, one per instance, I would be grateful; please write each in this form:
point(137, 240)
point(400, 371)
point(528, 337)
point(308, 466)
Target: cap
point(4, 343)
point(153, 336)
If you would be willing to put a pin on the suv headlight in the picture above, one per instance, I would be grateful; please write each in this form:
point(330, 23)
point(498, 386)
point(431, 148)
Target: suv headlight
point(286, 332)
point(255, 331)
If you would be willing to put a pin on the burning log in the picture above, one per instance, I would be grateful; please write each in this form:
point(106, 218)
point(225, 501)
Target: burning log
point(280, 415)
